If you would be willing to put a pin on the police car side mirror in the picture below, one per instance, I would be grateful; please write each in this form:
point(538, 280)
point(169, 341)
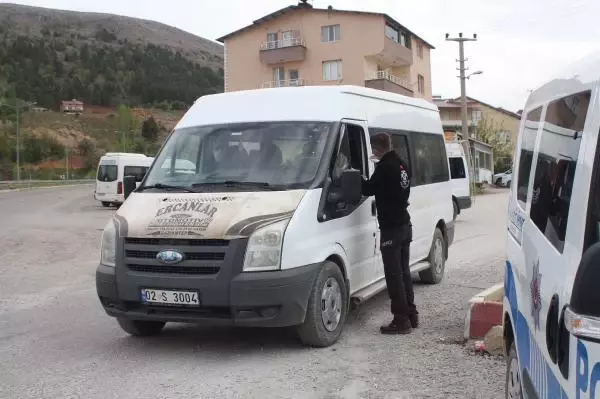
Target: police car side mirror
point(129, 185)
point(351, 183)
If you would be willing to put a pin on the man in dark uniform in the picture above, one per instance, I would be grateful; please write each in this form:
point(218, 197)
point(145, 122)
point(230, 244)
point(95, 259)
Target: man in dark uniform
point(390, 184)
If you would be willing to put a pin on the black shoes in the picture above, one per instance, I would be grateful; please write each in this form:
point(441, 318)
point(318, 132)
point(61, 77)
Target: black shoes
point(397, 327)
point(414, 321)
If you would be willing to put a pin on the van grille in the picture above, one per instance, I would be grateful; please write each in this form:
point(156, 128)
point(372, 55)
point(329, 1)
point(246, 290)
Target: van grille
point(200, 256)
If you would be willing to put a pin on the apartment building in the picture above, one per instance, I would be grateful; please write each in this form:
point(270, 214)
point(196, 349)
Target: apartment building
point(302, 45)
point(506, 122)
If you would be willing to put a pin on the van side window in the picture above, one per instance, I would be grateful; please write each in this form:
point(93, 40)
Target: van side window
point(352, 152)
point(457, 168)
point(431, 165)
point(400, 145)
point(556, 164)
point(528, 137)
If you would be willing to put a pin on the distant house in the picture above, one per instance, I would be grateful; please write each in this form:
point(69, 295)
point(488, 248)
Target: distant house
point(71, 106)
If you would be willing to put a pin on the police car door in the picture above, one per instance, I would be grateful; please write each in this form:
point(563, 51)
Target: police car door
point(551, 242)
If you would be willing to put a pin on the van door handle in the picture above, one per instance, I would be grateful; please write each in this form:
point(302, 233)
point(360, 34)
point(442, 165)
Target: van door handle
point(373, 208)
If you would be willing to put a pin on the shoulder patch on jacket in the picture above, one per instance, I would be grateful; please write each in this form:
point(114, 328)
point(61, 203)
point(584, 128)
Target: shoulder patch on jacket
point(404, 180)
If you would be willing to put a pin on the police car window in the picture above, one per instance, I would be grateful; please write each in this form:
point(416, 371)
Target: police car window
point(556, 165)
point(528, 137)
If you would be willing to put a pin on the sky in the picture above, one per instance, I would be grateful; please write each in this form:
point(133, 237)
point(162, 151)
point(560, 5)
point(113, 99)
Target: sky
point(521, 43)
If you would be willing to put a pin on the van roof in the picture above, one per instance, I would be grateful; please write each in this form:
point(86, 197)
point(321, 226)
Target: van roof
point(306, 103)
point(575, 78)
point(124, 154)
point(454, 150)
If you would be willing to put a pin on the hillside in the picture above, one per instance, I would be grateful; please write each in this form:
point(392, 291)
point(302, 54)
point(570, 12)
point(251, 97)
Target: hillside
point(50, 55)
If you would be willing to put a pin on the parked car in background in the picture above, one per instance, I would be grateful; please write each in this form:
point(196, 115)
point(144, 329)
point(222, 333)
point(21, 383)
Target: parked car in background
point(503, 179)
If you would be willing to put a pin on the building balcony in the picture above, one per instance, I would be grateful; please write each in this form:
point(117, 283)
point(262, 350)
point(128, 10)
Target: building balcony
point(284, 83)
point(383, 80)
point(285, 50)
point(394, 54)
point(458, 122)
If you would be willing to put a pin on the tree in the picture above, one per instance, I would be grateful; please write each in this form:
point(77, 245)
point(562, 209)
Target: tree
point(490, 132)
point(150, 129)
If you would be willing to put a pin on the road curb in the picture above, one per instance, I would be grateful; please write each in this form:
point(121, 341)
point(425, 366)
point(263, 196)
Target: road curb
point(16, 190)
point(484, 312)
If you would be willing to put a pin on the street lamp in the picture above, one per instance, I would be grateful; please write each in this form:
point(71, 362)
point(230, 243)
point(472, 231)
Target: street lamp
point(475, 73)
point(17, 108)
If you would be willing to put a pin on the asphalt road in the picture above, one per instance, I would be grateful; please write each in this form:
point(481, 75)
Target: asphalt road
point(57, 342)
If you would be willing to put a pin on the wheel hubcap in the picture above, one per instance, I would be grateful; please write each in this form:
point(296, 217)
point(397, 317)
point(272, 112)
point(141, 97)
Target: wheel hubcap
point(513, 385)
point(331, 304)
point(438, 256)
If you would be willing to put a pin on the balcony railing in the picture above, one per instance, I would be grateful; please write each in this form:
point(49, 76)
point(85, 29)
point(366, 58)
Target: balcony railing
point(283, 43)
point(385, 75)
point(284, 83)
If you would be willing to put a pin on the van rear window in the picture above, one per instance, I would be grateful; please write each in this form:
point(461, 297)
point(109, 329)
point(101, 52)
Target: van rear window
point(138, 171)
point(107, 173)
point(457, 168)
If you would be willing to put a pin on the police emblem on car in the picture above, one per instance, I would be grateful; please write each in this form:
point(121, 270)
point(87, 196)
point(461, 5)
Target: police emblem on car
point(169, 256)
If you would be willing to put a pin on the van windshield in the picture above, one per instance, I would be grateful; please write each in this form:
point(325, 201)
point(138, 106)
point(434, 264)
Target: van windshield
point(280, 155)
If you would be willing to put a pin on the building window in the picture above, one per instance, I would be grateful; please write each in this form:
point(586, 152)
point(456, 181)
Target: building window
point(332, 70)
point(278, 77)
point(272, 40)
point(528, 137)
point(330, 33)
point(556, 164)
point(421, 83)
point(475, 116)
point(420, 50)
point(392, 34)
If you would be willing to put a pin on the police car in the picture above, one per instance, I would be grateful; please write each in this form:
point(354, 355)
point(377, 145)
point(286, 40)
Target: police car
point(552, 278)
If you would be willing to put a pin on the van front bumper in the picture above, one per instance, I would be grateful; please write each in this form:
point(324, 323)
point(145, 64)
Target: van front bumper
point(259, 299)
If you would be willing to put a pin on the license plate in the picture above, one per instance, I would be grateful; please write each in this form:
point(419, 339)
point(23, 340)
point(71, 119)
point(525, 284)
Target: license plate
point(169, 297)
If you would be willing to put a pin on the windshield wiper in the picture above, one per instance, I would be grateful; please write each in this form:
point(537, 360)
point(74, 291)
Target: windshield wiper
point(237, 183)
point(161, 186)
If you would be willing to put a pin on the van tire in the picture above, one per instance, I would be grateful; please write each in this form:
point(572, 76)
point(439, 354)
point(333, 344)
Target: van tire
point(141, 328)
point(329, 286)
point(513, 387)
point(437, 260)
point(456, 209)
point(105, 204)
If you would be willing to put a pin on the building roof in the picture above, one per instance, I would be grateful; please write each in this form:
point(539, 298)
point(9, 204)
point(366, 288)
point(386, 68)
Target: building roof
point(289, 9)
point(455, 103)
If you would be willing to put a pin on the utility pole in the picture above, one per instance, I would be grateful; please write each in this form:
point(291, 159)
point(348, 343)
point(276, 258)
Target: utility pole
point(18, 143)
point(463, 78)
point(67, 163)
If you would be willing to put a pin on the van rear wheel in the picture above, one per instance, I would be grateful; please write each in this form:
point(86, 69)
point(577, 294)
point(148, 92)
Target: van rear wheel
point(326, 310)
point(105, 204)
point(437, 260)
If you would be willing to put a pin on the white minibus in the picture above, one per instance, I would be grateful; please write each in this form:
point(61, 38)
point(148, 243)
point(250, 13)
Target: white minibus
point(258, 218)
point(460, 177)
point(113, 166)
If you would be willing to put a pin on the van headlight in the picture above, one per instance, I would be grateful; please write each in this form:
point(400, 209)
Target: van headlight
point(108, 244)
point(264, 248)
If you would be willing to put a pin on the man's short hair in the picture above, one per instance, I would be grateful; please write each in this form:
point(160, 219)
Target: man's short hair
point(382, 141)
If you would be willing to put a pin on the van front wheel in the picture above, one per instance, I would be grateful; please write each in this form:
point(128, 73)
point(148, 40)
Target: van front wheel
point(105, 204)
point(326, 310)
point(437, 260)
point(141, 328)
point(513, 388)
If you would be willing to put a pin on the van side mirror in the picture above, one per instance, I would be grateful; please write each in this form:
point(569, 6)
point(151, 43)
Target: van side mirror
point(129, 185)
point(351, 184)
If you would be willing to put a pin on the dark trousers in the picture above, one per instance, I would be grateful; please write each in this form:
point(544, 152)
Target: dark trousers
point(395, 251)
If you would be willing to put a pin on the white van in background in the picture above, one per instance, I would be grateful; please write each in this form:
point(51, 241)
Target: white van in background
point(460, 177)
point(113, 166)
point(552, 277)
point(252, 213)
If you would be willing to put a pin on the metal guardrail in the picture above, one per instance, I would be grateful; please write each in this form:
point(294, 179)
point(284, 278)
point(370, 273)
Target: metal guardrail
point(25, 184)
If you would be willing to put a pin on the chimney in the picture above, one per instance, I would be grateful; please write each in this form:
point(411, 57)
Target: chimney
point(304, 4)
